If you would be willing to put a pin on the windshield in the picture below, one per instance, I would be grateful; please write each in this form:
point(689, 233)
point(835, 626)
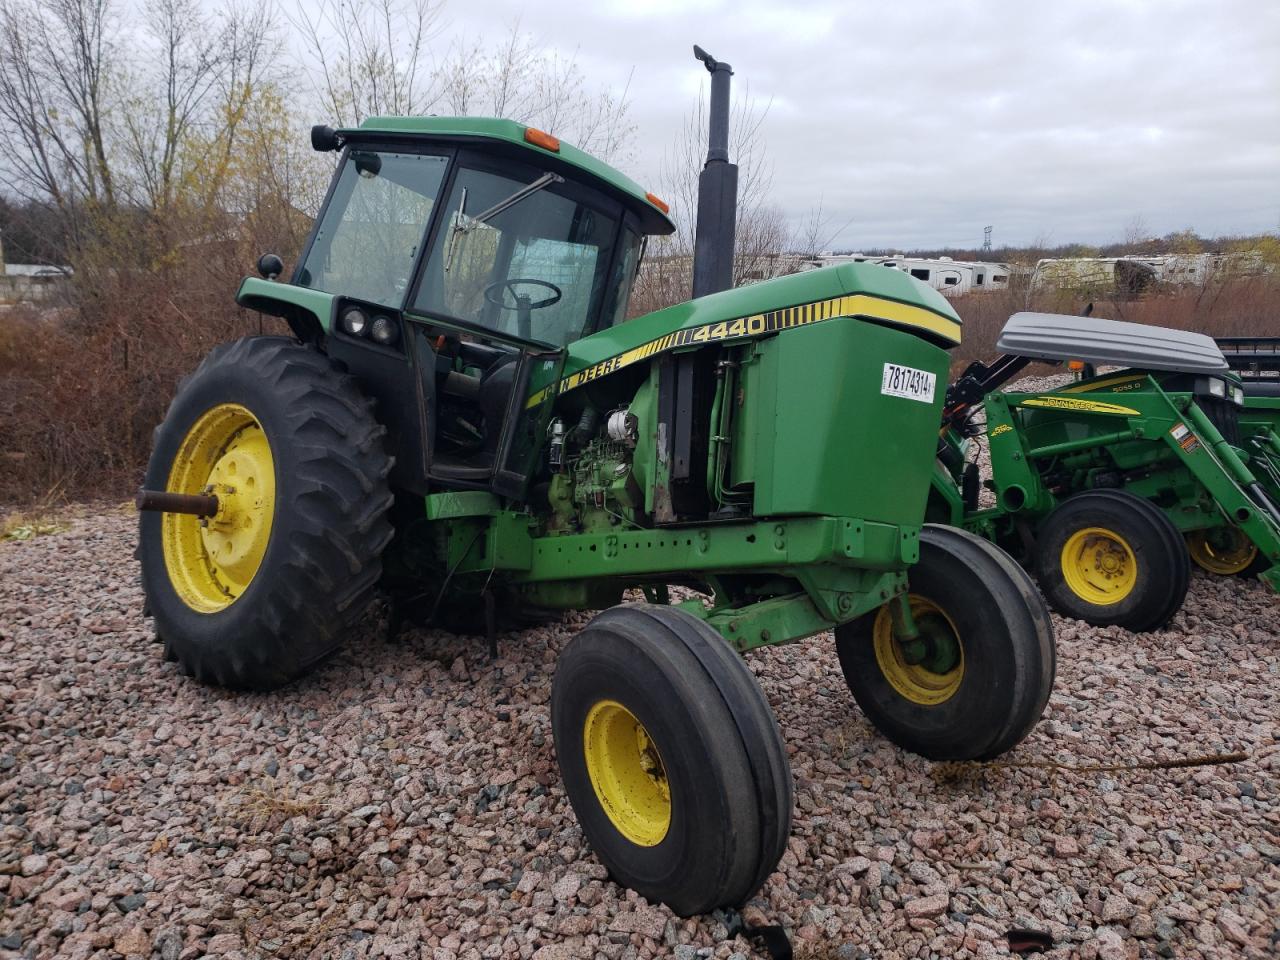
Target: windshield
point(368, 238)
point(563, 245)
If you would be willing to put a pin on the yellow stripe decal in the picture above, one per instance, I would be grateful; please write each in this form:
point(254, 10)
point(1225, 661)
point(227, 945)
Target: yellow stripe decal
point(858, 305)
point(1103, 384)
point(1079, 406)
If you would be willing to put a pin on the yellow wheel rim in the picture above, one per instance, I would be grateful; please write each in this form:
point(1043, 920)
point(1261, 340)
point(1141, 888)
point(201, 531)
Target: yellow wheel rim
point(1099, 566)
point(937, 677)
point(627, 773)
point(1225, 551)
point(212, 561)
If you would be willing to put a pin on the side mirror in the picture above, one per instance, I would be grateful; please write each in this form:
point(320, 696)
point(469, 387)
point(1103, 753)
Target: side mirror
point(270, 266)
point(368, 165)
point(324, 138)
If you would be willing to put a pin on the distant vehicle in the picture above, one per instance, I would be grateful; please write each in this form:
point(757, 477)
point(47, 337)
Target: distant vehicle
point(951, 277)
point(1134, 275)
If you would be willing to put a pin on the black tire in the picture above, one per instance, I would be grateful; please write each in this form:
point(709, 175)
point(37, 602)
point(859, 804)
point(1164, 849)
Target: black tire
point(1259, 566)
point(1008, 656)
point(724, 760)
point(1162, 569)
point(1175, 544)
point(323, 557)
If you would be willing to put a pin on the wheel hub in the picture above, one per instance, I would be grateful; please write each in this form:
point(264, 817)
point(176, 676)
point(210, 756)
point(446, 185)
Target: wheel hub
point(235, 537)
point(211, 561)
point(627, 773)
point(1224, 550)
point(942, 648)
point(929, 669)
point(1099, 566)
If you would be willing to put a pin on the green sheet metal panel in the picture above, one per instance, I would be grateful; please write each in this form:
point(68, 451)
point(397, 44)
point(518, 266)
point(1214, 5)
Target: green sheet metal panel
point(281, 299)
point(831, 438)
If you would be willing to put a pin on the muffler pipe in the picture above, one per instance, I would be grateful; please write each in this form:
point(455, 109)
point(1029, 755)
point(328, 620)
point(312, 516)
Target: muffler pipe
point(194, 504)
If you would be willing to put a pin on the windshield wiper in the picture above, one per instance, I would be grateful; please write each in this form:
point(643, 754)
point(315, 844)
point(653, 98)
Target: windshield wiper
point(463, 223)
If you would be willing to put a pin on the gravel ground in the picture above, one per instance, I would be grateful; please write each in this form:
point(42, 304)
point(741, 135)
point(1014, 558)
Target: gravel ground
point(404, 801)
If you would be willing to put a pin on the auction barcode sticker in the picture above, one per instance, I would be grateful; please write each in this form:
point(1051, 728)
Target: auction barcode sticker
point(908, 382)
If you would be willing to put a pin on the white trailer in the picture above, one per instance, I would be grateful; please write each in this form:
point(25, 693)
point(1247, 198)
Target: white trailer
point(951, 277)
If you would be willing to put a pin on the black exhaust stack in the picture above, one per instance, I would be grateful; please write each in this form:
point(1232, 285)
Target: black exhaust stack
point(713, 238)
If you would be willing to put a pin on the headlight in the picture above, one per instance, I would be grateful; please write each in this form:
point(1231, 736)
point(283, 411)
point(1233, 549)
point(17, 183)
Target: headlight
point(384, 330)
point(1217, 388)
point(1237, 396)
point(354, 321)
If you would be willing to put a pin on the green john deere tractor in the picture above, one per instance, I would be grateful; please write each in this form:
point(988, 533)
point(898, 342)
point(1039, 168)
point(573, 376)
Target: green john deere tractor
point(1109, 485)
point(464, 419)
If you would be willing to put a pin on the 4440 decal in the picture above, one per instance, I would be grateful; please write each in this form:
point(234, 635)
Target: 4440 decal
point(759, 324)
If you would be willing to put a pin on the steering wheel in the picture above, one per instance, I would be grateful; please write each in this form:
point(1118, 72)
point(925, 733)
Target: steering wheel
point(524, 305)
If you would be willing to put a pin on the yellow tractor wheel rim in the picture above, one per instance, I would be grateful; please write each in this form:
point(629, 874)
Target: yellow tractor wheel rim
point(1226, 551)
point(1099, 566)
point(627, 773)
point(915, 681)
point(212, 561)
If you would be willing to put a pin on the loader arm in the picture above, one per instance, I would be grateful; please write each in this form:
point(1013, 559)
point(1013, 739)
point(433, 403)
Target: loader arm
point(1184, 429)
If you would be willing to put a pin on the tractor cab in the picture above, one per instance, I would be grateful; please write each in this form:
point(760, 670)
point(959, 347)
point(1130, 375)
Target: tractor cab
point(458, 258)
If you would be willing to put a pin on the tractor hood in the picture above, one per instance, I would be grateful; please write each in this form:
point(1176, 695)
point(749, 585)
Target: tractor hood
point(861, 290)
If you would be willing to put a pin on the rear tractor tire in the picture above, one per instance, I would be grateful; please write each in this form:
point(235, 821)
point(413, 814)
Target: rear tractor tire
point(1111, 558)
point(990, 661)
point(671, 758)
point(258, 593)
point(1226, 552)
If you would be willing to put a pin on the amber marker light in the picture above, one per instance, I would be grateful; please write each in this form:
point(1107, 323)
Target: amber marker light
point(541, 139)
point(658, 202)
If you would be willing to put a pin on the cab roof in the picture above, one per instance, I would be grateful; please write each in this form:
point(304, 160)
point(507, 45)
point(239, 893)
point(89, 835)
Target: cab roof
point(653, 219)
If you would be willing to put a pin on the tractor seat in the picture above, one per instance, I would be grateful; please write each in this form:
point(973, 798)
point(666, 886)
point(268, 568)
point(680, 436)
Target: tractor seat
point(1262, 388)
point(494, 397)
point(490, 392)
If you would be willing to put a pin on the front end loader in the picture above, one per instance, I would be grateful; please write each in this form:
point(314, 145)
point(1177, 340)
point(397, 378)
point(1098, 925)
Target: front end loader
point(1104, 486)
point(1256, 360)
point(464, 420)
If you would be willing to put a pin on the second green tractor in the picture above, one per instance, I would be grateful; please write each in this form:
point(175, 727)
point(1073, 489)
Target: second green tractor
point(1108, 486)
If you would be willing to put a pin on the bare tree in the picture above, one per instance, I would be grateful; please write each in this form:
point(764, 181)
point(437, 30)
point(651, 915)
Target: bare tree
point(370, 57)
point(685, 158)
point(1136, 232)
point(87, 128)
point(248, 48)
point(762, 235)
point(167, 103)
point(816, 233)
point(55, 96)
point(520, 79)
point(375, 57)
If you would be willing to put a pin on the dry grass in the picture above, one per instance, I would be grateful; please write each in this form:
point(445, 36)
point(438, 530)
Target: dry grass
point(40, 518)
point(273, 802)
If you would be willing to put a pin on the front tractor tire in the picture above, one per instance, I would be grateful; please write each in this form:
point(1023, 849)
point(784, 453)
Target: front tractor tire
point(1108, 557)
point(255, 595)
point(671, 758)
point(983, 672)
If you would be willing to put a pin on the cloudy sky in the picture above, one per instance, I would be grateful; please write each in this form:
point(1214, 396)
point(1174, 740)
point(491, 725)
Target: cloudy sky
point(919, 123)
